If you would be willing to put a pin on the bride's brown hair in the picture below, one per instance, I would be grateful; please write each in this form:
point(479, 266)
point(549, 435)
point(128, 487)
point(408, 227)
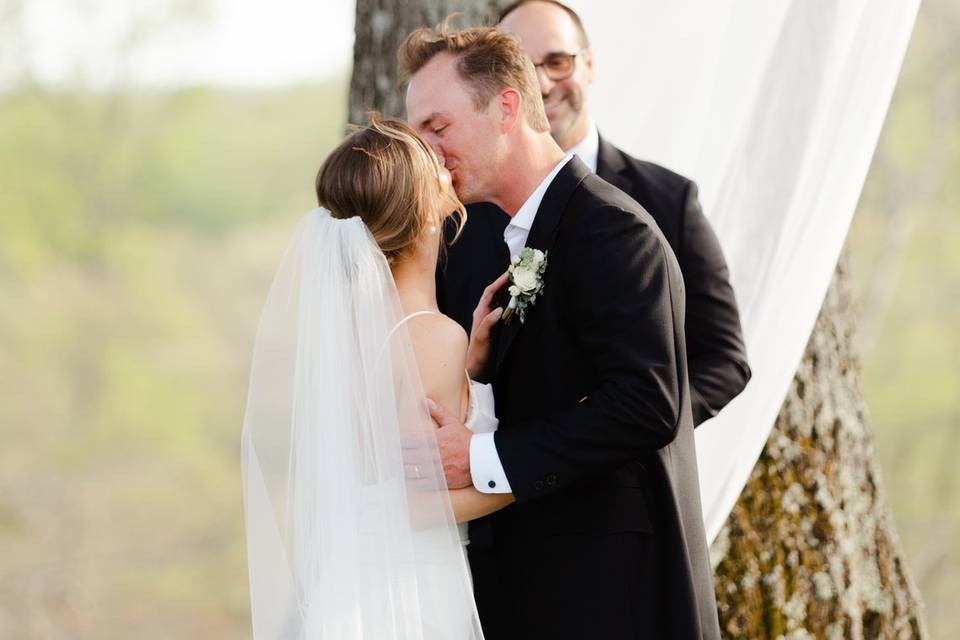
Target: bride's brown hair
point(387, 176)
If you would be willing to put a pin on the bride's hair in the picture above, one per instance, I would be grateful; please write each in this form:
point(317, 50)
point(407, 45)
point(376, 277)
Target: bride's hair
point(387, 176)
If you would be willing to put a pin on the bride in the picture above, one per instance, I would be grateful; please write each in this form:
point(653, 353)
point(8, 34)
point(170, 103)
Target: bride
point(351, 532)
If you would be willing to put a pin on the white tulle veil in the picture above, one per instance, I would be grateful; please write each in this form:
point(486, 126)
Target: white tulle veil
point(349, 527)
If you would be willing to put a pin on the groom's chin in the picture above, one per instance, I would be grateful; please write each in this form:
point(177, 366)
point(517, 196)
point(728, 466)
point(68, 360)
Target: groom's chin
point(465, 195)
point(468, 192)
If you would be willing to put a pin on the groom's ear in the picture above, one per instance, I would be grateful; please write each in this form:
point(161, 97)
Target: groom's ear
point(510, 103)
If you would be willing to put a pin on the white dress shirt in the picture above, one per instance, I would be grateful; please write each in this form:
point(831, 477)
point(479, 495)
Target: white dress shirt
point(485, 466)
point(589, 148)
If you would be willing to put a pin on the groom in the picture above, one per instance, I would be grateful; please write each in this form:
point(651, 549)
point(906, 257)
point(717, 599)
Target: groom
point(596, 435)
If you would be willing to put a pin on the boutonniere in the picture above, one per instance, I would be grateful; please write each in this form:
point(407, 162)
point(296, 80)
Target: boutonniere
point(526, 282)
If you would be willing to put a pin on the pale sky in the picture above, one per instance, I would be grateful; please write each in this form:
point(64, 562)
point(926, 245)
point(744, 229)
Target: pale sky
point(223, 42)
point(169, 43)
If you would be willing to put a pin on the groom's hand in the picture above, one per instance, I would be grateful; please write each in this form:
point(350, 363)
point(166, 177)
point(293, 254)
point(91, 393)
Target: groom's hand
point(453, 439)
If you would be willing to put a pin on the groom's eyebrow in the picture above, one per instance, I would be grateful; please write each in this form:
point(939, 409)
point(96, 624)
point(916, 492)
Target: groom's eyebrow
point(430, 118)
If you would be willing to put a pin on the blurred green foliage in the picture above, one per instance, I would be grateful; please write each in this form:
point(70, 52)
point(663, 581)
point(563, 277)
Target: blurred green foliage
point(136, 249)
point(138, 234)
point(200, 160)
point(905, 245)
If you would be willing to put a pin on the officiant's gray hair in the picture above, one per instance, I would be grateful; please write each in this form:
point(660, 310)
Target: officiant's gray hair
point(488, 61)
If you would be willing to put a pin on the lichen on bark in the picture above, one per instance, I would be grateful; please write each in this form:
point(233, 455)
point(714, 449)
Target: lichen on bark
point(810, 550)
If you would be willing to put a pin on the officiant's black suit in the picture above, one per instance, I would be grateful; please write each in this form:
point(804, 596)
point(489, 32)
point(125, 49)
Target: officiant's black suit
point(606, 539)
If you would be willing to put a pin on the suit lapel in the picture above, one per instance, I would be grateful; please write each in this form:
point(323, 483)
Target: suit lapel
point(611, 165)
point(543, 233)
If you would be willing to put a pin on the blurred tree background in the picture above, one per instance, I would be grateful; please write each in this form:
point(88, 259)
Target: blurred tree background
point(139, 230)
point(905, 244)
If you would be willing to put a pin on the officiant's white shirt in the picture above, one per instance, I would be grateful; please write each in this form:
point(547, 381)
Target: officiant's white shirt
point(485, 466)
point(589, 148)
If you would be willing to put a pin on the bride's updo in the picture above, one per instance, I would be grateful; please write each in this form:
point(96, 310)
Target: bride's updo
point(388, 177)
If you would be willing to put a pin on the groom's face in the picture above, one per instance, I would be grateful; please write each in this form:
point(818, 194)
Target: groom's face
point(441, 109)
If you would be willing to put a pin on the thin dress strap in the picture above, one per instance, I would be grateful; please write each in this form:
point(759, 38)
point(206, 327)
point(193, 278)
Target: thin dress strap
point(466, 374)
point(409, 317)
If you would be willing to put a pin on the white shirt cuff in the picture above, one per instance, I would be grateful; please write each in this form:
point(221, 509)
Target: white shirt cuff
point(485, 466)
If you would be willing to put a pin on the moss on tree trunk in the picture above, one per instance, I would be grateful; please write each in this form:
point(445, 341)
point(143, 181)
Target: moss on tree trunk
point(810, 550)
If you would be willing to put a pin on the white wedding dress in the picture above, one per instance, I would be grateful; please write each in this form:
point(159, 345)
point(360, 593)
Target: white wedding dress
point(350, 529)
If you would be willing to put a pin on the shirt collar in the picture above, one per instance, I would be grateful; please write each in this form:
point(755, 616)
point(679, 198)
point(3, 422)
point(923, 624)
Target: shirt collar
point(528, 211)
point(589, 148)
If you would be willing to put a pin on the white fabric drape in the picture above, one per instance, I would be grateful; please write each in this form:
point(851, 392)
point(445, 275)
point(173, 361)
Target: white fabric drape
point(350, 532)
point(774, 107)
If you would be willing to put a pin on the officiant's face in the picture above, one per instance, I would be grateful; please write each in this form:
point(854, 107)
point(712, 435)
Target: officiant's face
point(564, 65)
point(441, 108)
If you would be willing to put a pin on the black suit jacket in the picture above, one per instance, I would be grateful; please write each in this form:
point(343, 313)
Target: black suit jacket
point(596, 437)
point(716, 353)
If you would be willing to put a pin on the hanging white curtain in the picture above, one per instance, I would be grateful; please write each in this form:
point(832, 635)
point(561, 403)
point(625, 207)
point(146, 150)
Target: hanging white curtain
point(774, 107)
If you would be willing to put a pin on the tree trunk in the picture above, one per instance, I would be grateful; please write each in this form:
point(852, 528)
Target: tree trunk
point(381, 26)
point(810, 550)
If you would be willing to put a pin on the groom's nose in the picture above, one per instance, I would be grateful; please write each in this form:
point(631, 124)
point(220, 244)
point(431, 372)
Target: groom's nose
point(437, 149)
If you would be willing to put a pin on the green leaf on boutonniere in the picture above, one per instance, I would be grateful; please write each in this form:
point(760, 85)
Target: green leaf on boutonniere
point(526, 282)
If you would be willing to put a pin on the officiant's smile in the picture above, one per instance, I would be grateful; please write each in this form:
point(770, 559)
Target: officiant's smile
point(561, 54)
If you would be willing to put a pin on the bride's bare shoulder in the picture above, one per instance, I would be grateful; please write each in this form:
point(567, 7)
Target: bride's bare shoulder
point(438, 339)
point(440, 345)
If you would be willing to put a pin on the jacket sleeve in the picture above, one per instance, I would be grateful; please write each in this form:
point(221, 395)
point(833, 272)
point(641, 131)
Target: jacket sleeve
point(716, 354)
point(624, 303)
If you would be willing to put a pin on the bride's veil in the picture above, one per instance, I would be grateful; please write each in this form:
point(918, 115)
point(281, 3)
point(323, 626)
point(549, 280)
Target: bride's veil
point(350, 532)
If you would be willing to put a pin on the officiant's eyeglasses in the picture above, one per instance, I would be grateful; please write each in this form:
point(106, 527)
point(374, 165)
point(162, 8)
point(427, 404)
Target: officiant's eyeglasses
point(559, 65)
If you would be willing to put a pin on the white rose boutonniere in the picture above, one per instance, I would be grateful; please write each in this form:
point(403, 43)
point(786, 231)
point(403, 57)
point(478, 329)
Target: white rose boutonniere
point(526, 282)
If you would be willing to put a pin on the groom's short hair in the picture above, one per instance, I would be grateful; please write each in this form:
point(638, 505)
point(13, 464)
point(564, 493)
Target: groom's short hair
point(487, 60)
